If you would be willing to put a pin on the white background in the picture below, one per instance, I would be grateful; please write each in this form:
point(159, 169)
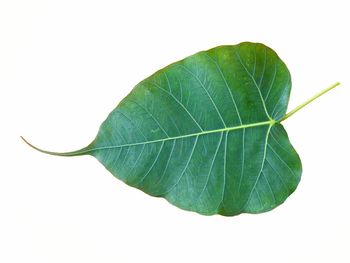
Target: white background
point(64, 65)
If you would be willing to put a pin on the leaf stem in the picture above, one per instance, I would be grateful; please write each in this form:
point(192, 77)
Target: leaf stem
point(308, 101)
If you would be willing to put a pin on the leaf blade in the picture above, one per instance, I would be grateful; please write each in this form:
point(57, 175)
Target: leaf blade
point(203, 133)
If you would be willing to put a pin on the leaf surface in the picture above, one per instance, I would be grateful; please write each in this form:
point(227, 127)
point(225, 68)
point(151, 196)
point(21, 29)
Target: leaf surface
point(203, 133)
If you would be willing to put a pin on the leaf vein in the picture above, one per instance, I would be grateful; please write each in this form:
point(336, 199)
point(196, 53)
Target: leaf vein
point(183, 171)
point(150, 169)
point(279, 157)
point(228, 88)
point(282, 95)
point(243, 161)
point(210, 97)
point(178, 137)
point(152, 116)
point(181, 104)
point(261, 168)
point(137, 160)
point(210, 169)
point(272, 82)
point(269, 185)
point(122, 113)
point(255, 84)
point(167, 163)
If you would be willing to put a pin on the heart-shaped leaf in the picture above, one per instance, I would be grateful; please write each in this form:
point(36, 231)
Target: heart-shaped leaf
point(205, 133)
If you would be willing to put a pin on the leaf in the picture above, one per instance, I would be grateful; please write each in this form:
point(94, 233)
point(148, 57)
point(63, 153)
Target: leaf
point(205, 133)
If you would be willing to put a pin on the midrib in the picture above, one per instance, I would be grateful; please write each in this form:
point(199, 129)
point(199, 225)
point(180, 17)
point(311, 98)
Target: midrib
point(88, 149)
point(227, 129)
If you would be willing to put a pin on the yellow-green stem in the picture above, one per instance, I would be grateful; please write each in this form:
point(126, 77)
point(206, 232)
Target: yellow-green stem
point(308, 101)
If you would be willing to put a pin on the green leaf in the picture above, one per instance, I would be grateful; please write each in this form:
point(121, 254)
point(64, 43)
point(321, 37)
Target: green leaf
point(205, 133)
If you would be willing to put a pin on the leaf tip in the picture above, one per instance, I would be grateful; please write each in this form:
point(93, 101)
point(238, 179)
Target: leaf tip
point(74, 153)
point(29, 144)
point(34, 147)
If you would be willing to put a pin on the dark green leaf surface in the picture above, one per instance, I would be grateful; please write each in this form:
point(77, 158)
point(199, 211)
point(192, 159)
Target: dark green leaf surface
point(204, 133)
point(183, 133)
